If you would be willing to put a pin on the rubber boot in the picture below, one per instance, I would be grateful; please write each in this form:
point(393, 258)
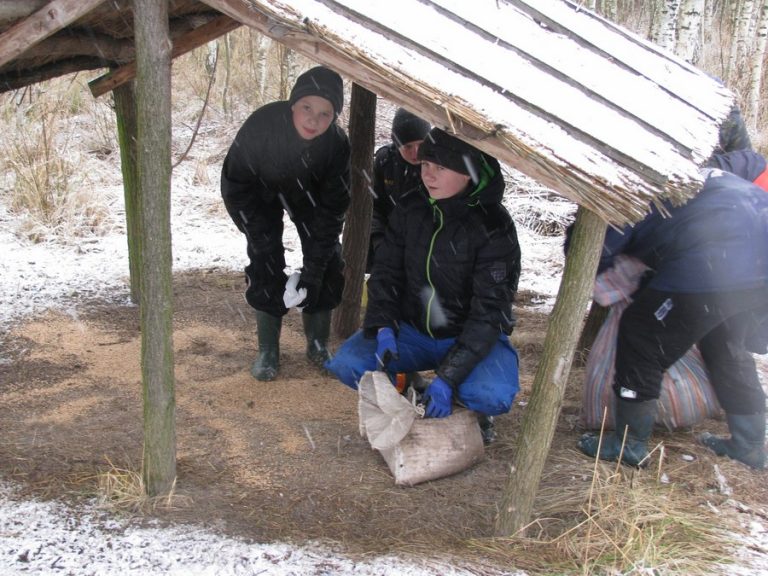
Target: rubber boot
point(317, 328)
point(265, 367)
point(747, 441)
point(487, 428)
point(638, 418)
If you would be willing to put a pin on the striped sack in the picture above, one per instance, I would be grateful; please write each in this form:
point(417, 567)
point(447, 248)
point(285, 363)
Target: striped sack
point(686, 396)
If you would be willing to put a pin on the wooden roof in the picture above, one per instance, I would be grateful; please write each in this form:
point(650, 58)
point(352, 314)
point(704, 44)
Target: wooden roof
point(574, 101)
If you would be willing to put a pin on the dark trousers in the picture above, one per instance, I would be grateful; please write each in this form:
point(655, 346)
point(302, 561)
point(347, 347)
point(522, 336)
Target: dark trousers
point(658, 328)
point(265, 275)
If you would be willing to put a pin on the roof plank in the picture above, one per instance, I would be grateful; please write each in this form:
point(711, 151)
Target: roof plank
point(205, 33)
point(48, 20)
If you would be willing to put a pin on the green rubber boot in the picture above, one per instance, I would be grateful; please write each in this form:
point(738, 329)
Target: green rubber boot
point(265, 367)
point(638, 418)
point(317, 328)
point(747, 441)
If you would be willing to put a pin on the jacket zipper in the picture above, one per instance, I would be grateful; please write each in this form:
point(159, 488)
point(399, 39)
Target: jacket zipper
point(436, 212)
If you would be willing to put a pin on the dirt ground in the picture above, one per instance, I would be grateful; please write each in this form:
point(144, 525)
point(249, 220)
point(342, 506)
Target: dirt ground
point(281, 460)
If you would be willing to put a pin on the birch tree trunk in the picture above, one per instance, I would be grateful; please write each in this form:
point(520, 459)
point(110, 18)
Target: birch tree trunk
point(288, 74)
point(153, 85)
point(543, 410)
point(756, 72)
point(262, 63)
point(689, 30)
point(357, 228)
point(664, 29)
point(740, 41)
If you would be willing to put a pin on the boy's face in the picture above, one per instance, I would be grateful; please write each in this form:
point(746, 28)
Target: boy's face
point(408, 151)
point(312, 115)
point(442, 182)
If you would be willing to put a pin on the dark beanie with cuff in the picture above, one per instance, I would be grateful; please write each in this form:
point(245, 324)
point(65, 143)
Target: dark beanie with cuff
point(320, 81)
point(441, 148)
point(407, 127)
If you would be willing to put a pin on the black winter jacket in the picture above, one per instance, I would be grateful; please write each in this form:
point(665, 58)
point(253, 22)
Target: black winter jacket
point(269, 162)
point(450, 268)
point(393, 177)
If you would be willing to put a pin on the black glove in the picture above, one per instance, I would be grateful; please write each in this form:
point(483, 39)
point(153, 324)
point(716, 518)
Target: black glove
point(313, 292)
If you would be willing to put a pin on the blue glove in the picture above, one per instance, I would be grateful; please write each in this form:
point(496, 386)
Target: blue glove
point(437, 397)
point(386, 348)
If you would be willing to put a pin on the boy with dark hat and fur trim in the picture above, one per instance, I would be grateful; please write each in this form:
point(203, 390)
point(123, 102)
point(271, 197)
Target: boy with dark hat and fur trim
point(396, 171)
point(442, 286)
point(291, 156)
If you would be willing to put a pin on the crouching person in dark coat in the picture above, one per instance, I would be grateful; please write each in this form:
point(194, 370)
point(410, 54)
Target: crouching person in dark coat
point(442, 287)
point(709, 287)
point(290, 156)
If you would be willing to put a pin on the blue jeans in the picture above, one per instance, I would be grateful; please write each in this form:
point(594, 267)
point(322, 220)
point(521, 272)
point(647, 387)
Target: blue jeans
point(489, 389)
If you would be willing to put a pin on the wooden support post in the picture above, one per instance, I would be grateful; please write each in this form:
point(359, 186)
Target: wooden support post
point(48, 20)
point(185, 43)
point(153, 90)
point(127, 134)
point(543, 410)
point(357, 228)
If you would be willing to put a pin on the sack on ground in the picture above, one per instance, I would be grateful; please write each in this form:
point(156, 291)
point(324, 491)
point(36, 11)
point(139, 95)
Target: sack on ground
point(686, 397)
point(415, 449)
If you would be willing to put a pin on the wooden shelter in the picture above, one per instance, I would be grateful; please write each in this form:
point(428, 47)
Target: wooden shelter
point(574, 101)
point(578, 103)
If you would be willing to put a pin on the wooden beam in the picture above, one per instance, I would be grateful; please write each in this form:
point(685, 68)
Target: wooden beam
point(185, 43)
point(48, 20)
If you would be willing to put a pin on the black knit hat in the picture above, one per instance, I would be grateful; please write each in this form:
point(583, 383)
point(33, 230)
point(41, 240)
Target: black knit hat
point(441, 148)
point(320, 81)
point(407, 127)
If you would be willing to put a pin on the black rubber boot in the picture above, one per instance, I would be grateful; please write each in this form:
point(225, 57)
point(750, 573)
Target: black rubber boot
point(487, 428)
point(747, 441)
point(638, 418)
point(317, 328)
point(265, 367)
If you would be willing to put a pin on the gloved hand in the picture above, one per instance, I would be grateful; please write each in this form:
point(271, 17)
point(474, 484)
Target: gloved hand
point(386, 348)
point(313, 292)
point(438, 397)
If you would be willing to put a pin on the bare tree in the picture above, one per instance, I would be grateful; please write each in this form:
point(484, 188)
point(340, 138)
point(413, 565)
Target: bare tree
point(153, 112)
point(740, 42)
point(688, 45)
point(664, 26)
point(756, 72)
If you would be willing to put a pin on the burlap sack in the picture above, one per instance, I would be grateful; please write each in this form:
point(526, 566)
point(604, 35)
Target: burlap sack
point(416, 449)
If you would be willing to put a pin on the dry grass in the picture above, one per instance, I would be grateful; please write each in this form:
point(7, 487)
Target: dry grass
point(623, 521)
point(123, 490)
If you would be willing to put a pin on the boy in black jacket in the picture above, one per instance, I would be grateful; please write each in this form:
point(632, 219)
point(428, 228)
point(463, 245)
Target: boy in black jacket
point(442, 287)
point(290, 156)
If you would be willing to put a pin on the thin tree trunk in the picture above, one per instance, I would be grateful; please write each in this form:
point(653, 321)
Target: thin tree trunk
point(153, 58)
point(689, 30)
point(543, 410)
point(740, 42)
point(127, 133)
point(756, 79)
point(664, 30)
point(357, 228)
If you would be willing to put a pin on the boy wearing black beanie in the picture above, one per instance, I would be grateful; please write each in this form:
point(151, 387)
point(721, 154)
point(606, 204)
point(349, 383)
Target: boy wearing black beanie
point(291, 156)
point(395, 172)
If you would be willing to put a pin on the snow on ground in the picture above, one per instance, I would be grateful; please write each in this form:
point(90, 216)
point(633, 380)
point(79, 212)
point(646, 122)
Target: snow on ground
point(52, 538)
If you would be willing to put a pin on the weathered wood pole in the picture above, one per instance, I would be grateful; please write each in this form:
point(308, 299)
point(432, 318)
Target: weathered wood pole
point(153, 57)
point(357, 227)
point(541, 414)
point(127, 135)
